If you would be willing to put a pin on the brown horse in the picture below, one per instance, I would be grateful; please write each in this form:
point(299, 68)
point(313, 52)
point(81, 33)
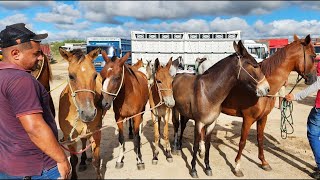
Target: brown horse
point(137, 65)
point(161, 91)
point(80, 109)
point(44, 75)
point(297, 56)
point(127, 90)
point(199, 97)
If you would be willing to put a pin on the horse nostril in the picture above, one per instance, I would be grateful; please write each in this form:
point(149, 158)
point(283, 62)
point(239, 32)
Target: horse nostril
point(95, 112)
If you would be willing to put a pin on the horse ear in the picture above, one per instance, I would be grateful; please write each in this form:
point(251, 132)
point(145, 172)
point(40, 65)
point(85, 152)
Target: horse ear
point(65, 54)
point(307, 40)
point(295, 37)
point(169, 63)
point(125, 58)
point(105, 56)
point(156, 64)
point(235, 47)
point(94, 53)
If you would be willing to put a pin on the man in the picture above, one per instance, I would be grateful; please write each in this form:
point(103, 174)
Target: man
point(28, 133)
point(313, 124)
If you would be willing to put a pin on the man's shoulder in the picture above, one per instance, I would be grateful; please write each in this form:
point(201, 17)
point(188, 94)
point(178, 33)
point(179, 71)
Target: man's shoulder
point(13, 74)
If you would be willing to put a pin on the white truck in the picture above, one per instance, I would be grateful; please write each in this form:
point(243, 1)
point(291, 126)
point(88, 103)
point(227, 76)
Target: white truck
point(258, 50)
point(213, 45)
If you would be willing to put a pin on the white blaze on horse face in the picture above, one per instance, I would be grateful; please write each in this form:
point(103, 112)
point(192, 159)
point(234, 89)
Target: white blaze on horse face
point(83, 69)
point(106, 82)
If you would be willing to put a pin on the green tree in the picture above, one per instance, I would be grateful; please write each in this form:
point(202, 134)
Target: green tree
point(54, 46)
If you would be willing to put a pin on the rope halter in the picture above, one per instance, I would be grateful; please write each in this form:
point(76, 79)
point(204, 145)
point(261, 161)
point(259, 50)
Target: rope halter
point(115, 94)
point(241, 67)
point(161, 89)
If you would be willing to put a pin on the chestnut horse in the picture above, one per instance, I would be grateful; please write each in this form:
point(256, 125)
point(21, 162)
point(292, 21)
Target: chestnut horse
point(44, 75)
point(297, 56)
point(199, 97)
point(161, 91)
point(137, 65)
point(80, 109)
point(127, 90)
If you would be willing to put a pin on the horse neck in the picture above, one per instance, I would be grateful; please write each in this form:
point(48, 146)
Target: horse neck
point(220, 79)
point(281, 72)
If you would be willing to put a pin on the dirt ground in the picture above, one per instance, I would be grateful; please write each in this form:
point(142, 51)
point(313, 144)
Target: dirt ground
point(289, 158)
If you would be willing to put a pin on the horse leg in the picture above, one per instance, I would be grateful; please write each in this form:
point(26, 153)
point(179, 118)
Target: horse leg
point(137, 141)
point(166, 135)
point(184, 120)
point(176, 123)
point(95, 140)
point(83, 165)
point(207, 137)
point(260, 132)
point(202, 144)
point(73, 161)
point(130, 129)
point(119, 163)
point(155, 120)
point(197, 133)
point(247, 122)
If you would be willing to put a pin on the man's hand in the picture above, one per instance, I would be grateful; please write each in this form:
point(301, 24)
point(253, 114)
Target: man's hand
point(289, 97)
point(64, 169)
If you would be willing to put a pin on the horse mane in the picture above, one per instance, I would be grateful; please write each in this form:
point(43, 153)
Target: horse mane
point(131, 71)
point(78, 53)
point(46, 61)
point(220, 63)
point(272, 62)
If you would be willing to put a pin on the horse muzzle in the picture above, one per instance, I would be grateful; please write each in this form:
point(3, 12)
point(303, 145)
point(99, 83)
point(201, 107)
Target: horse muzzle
point(88, 115)
point(169, 101)
point(106, 105)
point(263, 88)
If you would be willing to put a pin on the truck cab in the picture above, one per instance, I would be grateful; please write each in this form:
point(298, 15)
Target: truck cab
point(257, 50)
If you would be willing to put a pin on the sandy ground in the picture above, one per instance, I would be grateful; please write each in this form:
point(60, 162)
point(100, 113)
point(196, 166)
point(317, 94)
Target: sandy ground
point(290, 158)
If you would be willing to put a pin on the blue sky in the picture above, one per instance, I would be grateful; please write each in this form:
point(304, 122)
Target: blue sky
point(81, 19)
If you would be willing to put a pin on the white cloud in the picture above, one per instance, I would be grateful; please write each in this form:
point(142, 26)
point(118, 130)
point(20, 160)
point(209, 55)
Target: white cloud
point(60, 14)
point(106, 11)
point(17, 18)
point(18, 5)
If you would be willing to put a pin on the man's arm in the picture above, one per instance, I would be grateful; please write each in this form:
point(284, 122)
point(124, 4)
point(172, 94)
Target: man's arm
point(309, 90)
point(42, 136)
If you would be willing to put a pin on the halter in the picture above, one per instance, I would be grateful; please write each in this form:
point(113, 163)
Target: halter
point(115, 94)
point(241, 67)
point(73, 95)
point(160, 89)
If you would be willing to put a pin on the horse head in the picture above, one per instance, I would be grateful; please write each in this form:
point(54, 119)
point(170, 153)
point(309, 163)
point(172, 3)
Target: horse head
point(113, 77)
point(163, 81)
point(305, 53)
point(150, 70)
point(249, 71)
point(82, 81)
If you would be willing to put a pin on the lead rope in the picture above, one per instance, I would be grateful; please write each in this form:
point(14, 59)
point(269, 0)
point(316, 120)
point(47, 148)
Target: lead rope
point(286, 114)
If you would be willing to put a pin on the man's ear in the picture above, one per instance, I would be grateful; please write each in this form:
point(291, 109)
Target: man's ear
point(15, 53)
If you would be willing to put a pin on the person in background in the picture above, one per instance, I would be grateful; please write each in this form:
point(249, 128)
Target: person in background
point(313, 123)
point(29, 147)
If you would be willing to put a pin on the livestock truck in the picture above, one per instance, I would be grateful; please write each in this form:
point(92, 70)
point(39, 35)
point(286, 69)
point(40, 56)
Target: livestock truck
point(114, 46)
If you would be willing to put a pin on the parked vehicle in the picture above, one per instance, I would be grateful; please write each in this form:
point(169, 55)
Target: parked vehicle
point(114, 46)
point(258, 50)
point(151, 45)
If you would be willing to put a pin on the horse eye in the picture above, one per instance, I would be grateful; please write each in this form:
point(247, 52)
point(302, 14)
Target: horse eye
point(95, 76)
point(71, 77)
point(158, 81)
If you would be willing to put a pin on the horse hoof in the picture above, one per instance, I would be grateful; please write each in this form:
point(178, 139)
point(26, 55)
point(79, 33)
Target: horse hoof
point(119, 165)
point(176, 152)
point(208, 172)
point(266, 167)
point(82, 167)
point(194, 174)
point(99, 176)
point(201, 155)
point(238, 173)
point(130, 136)
point(140, 166)
point(154, 162)
point(170, 159)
